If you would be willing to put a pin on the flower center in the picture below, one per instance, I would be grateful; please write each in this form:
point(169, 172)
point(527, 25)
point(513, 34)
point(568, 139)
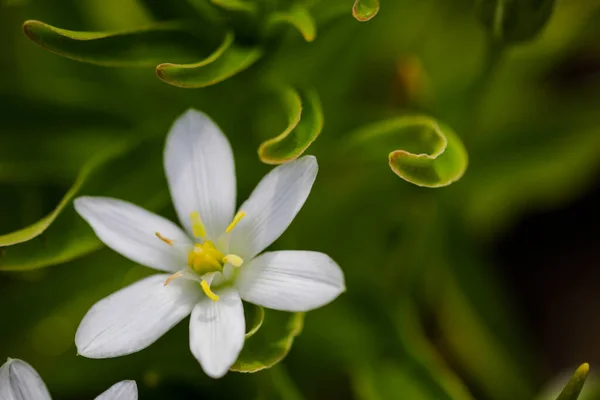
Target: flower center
point(205, 259)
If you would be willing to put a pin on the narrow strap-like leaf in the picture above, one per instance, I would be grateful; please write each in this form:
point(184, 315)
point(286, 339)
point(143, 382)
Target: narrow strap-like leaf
point(429, 153)
point(37, 228)
point(305, 122)
point(67, 236)
point(299, 17)
point(573, 388)
point(365, 10)
point(165, 42)
point(228, 60)
point(236, 5)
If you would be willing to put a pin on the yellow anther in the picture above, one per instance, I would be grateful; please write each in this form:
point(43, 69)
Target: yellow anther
point(208, 292)
point(174, 276)
point(197, 225)
point(234, 260)
point(164, 239)
point(236, 220)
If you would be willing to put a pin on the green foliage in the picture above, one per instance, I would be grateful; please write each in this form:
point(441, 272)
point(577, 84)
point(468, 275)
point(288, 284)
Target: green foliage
point(364, 10)
point(237, 5)
point(514, 21)
point(228, 60)
point(63, 235)
point(271, 343)
point(425, 315)
point(298, 17)
point(305, 122)
point(430, 154)
point(139, 48)
point(255, 316)
point(573, 388)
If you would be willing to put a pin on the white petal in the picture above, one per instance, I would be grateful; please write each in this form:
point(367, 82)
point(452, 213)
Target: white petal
point(291, 280)
point(124, 390)
point(135, 317)
point(19, 381)
point(201, 173)
point(131, 231)
point(217, 332)
point(272, 206)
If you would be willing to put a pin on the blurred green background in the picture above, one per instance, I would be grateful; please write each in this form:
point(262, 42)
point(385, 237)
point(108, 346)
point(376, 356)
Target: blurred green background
point(486, 289)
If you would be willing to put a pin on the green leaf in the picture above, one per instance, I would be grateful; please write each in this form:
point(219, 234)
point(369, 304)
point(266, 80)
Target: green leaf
point(420, 355)
point(305, 122)
point(236, 5)
point(37, 228)
point(271, 343)
point(364, 10)
point(166, 42)
point(430, 154)
point(573, 388)
point(255, 316)
point(132, 176)
point(297, 16)
point(226, 61)
point(168, 11)
point(388, 381)
point(513, 21)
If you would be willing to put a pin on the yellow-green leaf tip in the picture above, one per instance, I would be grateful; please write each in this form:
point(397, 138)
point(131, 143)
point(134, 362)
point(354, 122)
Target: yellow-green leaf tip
point(305, 123)
point(365, 10)
point(573, 388)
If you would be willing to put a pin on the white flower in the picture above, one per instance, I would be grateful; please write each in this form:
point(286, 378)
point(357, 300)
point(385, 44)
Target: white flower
point(19, 381)
point(214, 264)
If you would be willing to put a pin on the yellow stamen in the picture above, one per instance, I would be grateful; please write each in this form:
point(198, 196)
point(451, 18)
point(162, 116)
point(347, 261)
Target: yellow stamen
point(174, 276)
point(208, 292)
point(197, 225)
point(236, 220)
point(164, 239)
point(234, 260)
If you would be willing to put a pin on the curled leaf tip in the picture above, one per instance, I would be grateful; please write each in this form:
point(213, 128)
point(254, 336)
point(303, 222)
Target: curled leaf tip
point(428, 154)
point(305, 122)
point(227, 60)
point(365, 10)
point(270, 344)
point(573, 388)
point(299, 18)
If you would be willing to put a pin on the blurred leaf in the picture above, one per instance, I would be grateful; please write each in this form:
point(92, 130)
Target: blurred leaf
point(512, 21)
point(226, 61)
point(364, 10)
point(33, 230)
point(423, 360)
point(271, 343)
point(388, 381)
point(305, 122)
point(137, 48)
point(133, 176)
point(168, 11)
point(473, 344)
point(542, 171)
point(255, 315)
point(432, 154)
point(575, 384)
point(236, 5)
point(297, 16)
